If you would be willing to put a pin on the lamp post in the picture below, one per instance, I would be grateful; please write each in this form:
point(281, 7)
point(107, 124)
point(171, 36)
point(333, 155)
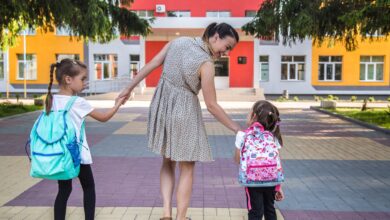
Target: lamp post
point(7, 74)
point(24, 64)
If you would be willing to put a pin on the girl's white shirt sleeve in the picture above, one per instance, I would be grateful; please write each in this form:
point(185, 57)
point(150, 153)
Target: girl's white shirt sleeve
point(240, 138)
point(80, 109)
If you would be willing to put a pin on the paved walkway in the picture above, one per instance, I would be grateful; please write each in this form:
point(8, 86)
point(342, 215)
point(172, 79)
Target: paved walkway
point(334, 170)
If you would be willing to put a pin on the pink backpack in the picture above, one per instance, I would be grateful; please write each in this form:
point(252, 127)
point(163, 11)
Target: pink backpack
point(260, 161)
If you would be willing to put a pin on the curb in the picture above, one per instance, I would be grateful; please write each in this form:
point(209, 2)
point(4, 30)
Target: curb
point(18, 115)
point(364, 124)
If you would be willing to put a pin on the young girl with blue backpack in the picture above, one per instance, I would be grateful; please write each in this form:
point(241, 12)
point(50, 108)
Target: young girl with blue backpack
point(260, 169)
point(58, 147)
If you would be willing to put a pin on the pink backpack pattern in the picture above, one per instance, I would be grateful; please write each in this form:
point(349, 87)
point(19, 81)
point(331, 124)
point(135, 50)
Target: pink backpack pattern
point(260, 164)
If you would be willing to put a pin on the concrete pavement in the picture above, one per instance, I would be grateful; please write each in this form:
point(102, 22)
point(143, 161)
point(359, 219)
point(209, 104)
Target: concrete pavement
point(334, 170)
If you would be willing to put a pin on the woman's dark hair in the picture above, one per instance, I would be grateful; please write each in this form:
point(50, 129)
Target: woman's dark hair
point(67, 67)
point(267, 115)
point(222, 29)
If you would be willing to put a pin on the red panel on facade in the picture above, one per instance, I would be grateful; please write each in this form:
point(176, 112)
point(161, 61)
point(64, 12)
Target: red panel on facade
point(241, 75)
point(198, 8)
point(151, 49)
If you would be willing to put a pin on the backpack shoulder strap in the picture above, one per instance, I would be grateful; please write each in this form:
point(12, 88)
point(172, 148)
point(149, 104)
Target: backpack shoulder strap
point(70, 103)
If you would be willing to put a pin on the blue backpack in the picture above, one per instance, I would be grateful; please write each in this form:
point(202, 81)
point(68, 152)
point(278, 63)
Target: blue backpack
point(54, 148)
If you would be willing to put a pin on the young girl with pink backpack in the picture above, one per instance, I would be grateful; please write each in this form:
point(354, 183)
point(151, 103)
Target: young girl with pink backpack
point(260, 169)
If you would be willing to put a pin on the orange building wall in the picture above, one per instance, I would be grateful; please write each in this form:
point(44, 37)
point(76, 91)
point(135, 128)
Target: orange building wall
point(351, 62)
point(45, 46)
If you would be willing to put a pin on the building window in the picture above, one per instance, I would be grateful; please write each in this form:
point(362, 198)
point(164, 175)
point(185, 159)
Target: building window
point(250, 13)
point(371, 68)
point(293, 68)
point(2, 69)
point(218, 14)
point(63, 31)
point(145, 13)
point(330, 68)
point(264, 68)
point(179, 14)
point(60, 57)
point(106, 66)
point(31, 66)
point(134, 65)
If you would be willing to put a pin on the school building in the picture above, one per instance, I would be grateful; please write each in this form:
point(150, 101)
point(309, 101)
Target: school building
point(302, 69)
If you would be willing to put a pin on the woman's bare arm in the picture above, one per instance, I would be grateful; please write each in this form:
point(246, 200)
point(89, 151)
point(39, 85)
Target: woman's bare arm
point(207, 73)
point(157, 61)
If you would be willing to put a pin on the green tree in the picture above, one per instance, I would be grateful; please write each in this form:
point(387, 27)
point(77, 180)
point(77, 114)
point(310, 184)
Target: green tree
point(95, 20)
point(338, 20)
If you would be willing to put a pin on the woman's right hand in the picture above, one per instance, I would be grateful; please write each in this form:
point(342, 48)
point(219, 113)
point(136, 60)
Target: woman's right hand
point(124, 95)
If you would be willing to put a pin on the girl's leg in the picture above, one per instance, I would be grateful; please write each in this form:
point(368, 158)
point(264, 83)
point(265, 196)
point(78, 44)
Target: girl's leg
point(269, 203)
point(167, 184)
point(254, 198)
point(184, 188)
point(88, 184)
point(64, 190)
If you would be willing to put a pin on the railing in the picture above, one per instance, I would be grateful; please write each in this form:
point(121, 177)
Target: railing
point(109, 85)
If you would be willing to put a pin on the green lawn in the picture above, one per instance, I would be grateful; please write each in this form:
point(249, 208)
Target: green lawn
point(379, 116)
point(7, 109)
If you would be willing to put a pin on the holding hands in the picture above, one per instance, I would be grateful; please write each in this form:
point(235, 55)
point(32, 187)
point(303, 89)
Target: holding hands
point(123, 96)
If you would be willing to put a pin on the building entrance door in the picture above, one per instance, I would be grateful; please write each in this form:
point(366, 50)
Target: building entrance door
point(222, 73)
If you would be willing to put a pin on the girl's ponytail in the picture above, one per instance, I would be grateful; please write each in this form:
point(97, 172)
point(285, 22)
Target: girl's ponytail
point(49, 96)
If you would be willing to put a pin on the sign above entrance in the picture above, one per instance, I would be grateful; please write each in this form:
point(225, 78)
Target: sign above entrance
point(241, 60)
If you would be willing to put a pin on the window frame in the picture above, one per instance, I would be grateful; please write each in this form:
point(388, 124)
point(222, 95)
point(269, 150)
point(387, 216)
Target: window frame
point(111, 66)
point(178, 14)
point(375, 63)
point(261, 63)
point(33, 63)
point(333, 64)
point(218, 14)
point(2, 66)
point(296, 66)
point(148, 13)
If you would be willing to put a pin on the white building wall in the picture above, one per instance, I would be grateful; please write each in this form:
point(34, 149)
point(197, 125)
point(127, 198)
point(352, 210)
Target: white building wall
point(275, 85)
point(3, 82)
point(123, 52)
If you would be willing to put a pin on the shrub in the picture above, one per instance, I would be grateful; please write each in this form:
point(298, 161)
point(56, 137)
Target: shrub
point(296, 99)
point(353, 98)
point(336, 98)
point(281, 99)
point(388, 99)
point(371, 99)
point(316, 98)
point(330, 97)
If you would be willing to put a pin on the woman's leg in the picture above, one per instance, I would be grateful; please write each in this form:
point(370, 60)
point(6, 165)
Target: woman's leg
point(64, 190)
point(88, 184)
point(167, 184)
point(184, 188)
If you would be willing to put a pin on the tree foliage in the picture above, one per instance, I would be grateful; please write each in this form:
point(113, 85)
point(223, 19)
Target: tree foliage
point(95, 20)
point(338, 20)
